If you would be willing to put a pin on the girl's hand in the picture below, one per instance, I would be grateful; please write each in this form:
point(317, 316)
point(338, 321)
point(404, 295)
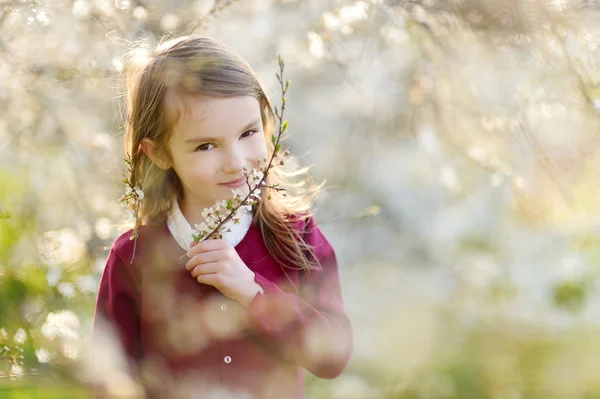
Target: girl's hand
point(216, 263)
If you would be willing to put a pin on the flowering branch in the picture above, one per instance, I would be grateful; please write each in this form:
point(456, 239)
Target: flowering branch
point(12, 356)
point(255, 180)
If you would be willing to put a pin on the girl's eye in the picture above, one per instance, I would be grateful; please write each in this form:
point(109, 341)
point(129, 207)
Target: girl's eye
point(204, 147)
point(248, 133)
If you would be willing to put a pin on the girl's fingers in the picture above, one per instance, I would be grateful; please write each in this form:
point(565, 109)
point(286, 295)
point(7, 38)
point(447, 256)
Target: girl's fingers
point(209, 279)
point(204, 257)
point(205, 246)
point(205, 268)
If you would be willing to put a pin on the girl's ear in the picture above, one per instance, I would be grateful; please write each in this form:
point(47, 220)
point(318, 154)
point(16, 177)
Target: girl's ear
point(156, 155)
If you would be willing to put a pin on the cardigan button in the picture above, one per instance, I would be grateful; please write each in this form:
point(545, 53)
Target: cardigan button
point(227, 359)
point(223, 307)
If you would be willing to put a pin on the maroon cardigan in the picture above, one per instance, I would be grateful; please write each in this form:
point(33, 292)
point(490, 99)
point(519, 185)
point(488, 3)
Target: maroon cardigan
point(186, 339)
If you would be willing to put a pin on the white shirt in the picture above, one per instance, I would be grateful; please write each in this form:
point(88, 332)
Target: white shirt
point(182, 231)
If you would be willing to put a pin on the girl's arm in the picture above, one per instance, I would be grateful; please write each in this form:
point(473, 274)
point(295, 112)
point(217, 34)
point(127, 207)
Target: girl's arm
point(312, 330)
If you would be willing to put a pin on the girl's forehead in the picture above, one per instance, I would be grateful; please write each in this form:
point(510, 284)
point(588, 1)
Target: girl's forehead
point(204, 114)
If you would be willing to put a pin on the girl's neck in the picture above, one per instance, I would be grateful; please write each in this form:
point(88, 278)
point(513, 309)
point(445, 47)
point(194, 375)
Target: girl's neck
point(192, 211)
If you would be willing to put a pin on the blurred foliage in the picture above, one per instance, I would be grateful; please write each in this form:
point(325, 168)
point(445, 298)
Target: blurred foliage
point(459, 140)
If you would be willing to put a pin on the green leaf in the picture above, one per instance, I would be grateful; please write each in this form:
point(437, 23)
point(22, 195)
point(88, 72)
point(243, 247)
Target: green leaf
point(285, 126)
point(277, 148)
point(273, 139)
point(229, 204)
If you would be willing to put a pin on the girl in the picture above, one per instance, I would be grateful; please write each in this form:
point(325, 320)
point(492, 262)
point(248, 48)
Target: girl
point(236, 317)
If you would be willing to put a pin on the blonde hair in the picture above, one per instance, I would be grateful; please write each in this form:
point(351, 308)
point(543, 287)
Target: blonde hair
point(203, 66)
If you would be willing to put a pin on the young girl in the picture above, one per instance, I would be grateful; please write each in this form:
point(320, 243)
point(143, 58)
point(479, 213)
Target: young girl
point(239, 317)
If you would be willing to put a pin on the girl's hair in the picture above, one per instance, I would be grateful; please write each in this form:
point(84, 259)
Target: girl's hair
point(202, 66)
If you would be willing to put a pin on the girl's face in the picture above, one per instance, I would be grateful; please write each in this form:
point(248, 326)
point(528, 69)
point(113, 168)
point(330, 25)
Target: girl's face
point(211, 144)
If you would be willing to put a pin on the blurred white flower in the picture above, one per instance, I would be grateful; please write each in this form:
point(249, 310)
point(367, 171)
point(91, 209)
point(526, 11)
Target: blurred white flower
point(519, 182)
point(16, 371)
point(477, 153)
point(140, 13)
point(316, 47)
point(80, 8)
point(43, 18)
point(66, 289)
point(64, 324)
point(42, 355)
point(3, 334)
point(428, 140)
point(558, 5)
point(20, 336)
point(354, 12)
point(53, 275)
point(478, 270)
point(139, 193)
point(70, 351)
point(331, 21)
point(62, 246)
point(103, 228)
point(169, 22)
point(122, 4)
point(86, 283)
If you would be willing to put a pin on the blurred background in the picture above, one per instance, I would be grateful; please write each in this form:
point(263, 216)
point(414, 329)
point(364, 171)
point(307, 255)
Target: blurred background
point(459, 141)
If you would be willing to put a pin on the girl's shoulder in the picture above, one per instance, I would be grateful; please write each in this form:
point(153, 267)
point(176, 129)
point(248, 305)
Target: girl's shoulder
point(125, 244)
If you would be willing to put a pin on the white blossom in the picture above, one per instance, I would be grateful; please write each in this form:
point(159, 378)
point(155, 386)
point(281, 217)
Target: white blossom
point(221, 204)
point(256, 176)
point(70, 351)
point(207, 212)
point(66, 289)
point(20, 336)
point(3, 334)
point(202, 227)
point(42, 355)
point(64, 324)
point(237, 195)
point(16, 371)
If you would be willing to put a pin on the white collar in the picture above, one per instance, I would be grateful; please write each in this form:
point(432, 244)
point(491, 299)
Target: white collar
point(182, 231)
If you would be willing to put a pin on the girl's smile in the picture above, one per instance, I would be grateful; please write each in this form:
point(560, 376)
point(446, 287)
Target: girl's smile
point(233, 184)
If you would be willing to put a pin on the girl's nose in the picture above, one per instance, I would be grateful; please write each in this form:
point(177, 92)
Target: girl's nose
point(234, 161)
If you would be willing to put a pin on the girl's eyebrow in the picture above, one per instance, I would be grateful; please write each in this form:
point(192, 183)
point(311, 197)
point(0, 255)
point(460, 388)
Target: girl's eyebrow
point(202, 138)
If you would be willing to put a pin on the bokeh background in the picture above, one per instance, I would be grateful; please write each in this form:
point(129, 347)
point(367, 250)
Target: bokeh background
point(459, 141)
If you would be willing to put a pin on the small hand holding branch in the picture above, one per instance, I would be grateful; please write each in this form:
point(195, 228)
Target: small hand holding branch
point(216, 263)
